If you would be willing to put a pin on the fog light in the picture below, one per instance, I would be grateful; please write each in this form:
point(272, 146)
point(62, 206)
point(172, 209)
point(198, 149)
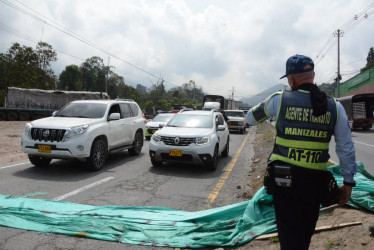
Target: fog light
point(80, 147)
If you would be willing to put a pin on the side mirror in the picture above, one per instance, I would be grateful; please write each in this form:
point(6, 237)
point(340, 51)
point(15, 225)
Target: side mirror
point(161, 125)
point(114, 116)
point(54, 113)
point(221, 128)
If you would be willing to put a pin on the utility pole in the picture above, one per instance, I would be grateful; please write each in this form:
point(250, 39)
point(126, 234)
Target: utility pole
point(106, 78)
point(338, 33)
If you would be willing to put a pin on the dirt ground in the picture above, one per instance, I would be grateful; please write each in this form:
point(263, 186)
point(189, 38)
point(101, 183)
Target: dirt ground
point(353, 237)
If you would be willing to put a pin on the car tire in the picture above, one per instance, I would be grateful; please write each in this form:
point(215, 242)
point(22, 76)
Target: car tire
point(212, 165)
point(137, 144)
point(242, 130)
point(245, 129)
point(156, 164)
point(97, 158)
point(39, 161)
point(225, 152)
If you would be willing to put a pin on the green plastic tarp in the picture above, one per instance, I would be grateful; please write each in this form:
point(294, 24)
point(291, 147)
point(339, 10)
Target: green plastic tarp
point(230, 225)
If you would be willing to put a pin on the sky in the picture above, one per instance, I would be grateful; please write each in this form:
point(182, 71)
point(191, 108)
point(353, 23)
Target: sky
point(230, 48)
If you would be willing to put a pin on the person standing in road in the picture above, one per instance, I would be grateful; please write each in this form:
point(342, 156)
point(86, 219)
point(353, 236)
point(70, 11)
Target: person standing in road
point(306, 119)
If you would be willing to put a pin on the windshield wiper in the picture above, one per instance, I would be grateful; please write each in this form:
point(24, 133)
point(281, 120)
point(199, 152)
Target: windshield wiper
point(80, 116)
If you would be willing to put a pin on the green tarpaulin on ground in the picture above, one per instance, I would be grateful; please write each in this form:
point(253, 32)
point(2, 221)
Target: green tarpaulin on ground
point(159, 226)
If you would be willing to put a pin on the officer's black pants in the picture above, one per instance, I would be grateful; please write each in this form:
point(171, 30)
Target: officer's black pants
point(297, 209)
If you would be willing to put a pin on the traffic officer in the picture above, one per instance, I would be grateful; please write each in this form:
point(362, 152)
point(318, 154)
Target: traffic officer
point(305, 121)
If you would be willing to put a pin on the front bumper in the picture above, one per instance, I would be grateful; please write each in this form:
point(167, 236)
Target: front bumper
point(236, 127)
point(192, 154)
point(73, 148)
point(150, 131)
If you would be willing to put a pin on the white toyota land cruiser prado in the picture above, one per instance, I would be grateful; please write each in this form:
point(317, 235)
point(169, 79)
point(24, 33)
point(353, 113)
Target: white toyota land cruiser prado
point(87, 130)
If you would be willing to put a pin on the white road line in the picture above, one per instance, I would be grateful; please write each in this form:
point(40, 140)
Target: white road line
point(364, 144)
point(82, 189)
point(14, 165)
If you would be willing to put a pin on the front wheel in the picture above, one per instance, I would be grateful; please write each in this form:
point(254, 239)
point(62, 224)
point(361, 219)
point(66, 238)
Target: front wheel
point(39, 161)
point(156, 164)
point(212, 165)
point(137, 144)
point(225, 152)
point(97, 158)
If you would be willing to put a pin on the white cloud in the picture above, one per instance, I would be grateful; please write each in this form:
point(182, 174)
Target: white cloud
point(219, 44)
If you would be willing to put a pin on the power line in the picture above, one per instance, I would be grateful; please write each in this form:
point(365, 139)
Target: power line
point(10, 30)
point(348, 26)
point(71, 34)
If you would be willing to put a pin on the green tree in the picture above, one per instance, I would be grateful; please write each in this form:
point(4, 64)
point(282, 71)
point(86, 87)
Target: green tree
point(94, 74)
point(46, 55)
point(28, 68)
point(70, 78)
point(369, 60)
point(21, 67)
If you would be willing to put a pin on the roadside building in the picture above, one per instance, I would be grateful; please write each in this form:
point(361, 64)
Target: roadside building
point(359, 84)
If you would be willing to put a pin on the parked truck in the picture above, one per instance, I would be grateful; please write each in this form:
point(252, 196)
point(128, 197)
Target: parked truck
point(30, 104)
point(214, 102)
point(359, 109)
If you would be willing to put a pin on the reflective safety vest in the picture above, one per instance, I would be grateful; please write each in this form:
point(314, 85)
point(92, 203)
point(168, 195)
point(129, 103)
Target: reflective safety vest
point(303, 139)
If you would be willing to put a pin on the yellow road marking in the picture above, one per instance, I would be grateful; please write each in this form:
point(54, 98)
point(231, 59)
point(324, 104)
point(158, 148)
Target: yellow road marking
point(213, 195)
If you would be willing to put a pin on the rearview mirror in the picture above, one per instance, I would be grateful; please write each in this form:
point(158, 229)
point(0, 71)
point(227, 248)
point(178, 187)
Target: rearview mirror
point(114, 116)
point(221, 128)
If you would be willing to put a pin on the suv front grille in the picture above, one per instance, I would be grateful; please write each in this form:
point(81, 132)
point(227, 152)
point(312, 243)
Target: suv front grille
point(182, 141)
point(233, 122)
point(45, 134)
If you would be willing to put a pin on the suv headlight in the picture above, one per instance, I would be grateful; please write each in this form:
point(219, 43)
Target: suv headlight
point(27, 129)
point(156, 138)
point(201, 140)
point(78, 130)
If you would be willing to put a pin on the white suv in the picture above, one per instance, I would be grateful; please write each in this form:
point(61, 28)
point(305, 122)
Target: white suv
point(237, 120)
point(86, 130)
point(191, 137)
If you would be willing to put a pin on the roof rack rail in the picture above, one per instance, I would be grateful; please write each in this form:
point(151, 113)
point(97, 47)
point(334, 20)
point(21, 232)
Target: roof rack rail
point(122, 99)
point(185, 109)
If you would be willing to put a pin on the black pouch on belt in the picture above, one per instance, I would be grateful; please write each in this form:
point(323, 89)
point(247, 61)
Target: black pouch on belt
point(330, 190)
point(283, 175)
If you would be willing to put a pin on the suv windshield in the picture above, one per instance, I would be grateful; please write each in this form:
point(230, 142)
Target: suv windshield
point(191, 121)
point(162, 118)
point(83, 110)
point(234, 114)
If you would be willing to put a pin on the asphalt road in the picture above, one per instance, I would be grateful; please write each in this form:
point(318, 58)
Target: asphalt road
point(125, 181)
point(364, 145)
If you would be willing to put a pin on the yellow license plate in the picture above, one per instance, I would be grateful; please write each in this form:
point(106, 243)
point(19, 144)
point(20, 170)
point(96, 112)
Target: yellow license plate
point(44, 148)
point(230, 126)
point(175, 152)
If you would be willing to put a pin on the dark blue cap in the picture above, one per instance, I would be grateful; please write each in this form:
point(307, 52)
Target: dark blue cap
point(295, 64)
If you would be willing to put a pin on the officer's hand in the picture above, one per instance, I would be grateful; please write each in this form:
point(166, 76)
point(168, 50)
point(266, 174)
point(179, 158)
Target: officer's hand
point(346, 194)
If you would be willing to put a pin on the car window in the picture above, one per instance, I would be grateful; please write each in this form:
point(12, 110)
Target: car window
point(234, 114)
point(217, 121)
point(220, 119)
point(84, 110)
point(134, 109)
point(125, 110)
point(114, 109)
point(162, 118)
point(191, 121)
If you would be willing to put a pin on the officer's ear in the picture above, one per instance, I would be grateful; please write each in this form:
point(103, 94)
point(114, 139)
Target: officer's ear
point(291, 81)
